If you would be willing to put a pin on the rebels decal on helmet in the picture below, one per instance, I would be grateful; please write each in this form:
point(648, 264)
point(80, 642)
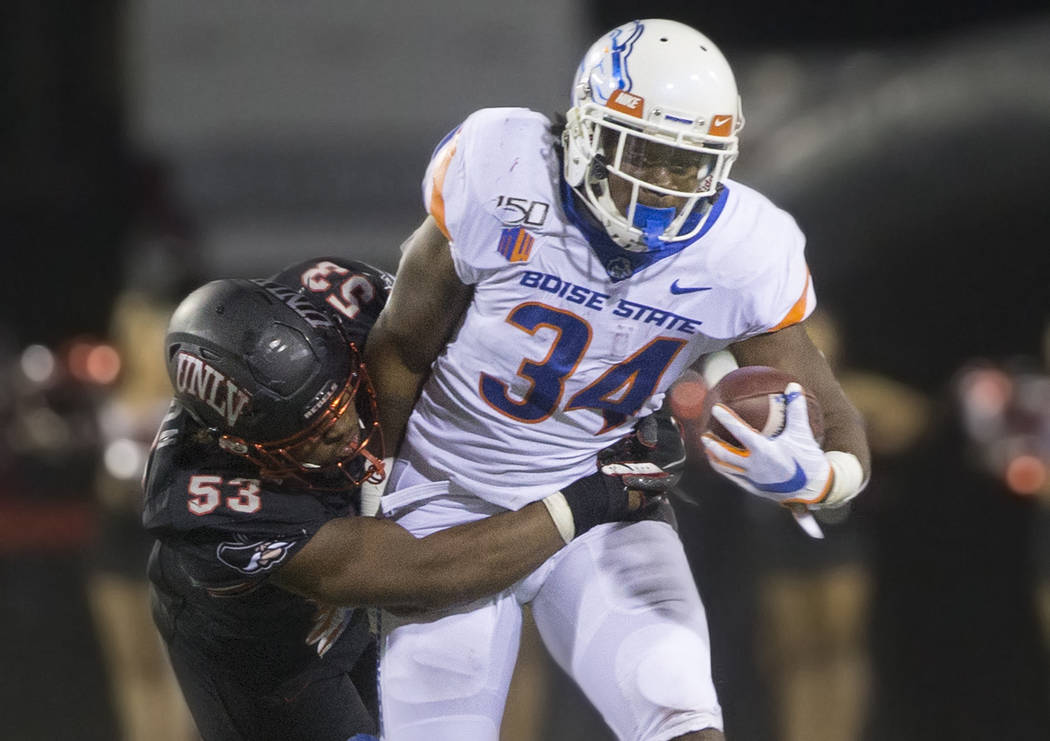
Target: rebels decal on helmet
point(323, 396)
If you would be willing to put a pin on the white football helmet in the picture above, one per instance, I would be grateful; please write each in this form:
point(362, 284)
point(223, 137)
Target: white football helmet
point(655, 113)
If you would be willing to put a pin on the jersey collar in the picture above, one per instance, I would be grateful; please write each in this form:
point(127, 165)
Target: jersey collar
point(618, 262)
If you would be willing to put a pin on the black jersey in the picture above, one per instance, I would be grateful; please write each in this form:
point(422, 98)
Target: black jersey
point(221, 532)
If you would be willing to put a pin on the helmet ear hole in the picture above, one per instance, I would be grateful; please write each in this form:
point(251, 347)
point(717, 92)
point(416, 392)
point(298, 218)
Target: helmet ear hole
point(234, 445)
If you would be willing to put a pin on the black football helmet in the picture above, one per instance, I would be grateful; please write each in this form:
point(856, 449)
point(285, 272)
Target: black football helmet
point(267, 371)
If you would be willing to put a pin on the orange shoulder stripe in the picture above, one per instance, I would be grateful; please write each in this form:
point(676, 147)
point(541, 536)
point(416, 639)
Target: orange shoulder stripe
point(437, 200)
point(795, 314)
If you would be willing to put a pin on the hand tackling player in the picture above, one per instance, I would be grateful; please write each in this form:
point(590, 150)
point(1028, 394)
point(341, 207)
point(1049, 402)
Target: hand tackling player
point(651, 459)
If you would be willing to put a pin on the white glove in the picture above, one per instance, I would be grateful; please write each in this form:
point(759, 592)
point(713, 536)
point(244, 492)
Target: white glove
point(789, 468)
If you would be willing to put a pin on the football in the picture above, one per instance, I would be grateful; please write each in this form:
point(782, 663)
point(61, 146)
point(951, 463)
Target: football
point(756, 394)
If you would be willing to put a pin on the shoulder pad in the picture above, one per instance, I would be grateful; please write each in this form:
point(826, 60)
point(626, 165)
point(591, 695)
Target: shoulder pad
point(351, 291)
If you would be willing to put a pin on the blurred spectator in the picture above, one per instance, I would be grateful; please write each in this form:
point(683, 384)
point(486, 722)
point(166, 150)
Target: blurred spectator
point(52, 685)
point(147, 700)
point(815, 594)
point(1004, 410)
point(160, 264)
point(957, 651)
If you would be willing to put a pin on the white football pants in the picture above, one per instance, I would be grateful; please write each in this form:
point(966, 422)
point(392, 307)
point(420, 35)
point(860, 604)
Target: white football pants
point(617, 608)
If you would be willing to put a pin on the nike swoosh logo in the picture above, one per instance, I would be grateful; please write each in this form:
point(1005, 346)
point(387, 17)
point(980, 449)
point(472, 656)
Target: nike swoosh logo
point(796, 482)
point(679, 290)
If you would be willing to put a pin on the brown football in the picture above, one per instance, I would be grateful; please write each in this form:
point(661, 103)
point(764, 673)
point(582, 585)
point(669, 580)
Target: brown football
point(755, 393)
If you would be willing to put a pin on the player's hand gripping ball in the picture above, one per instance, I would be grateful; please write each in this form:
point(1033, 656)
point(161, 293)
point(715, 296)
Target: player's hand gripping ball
point(755, 394)
point(764, 434)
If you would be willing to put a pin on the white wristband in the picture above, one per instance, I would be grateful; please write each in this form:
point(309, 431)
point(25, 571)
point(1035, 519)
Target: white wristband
point(560, 512)
point(371, 492)
point(849, 478)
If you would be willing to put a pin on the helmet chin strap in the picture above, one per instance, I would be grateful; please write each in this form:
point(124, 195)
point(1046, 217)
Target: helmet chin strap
point(653, 222)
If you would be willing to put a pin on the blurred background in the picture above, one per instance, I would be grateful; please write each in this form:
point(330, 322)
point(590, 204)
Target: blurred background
point(149, 145)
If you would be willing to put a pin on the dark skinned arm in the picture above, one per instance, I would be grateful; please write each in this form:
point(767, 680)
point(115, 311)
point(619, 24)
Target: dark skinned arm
point(365, 561)
point(423, 310)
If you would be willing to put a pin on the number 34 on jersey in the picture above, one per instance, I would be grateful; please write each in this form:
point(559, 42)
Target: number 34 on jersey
point(617, 394)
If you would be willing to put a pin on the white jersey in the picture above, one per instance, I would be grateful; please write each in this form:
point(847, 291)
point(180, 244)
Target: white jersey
point(554, 359)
